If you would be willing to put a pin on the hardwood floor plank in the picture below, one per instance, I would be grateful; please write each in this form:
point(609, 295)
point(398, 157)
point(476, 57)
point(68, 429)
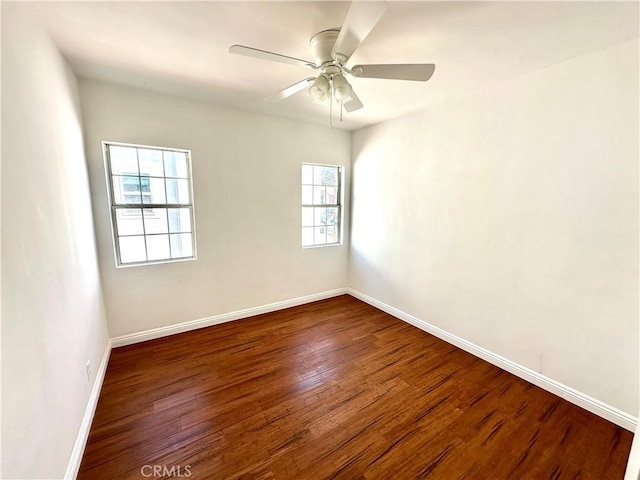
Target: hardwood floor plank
point(335, 389)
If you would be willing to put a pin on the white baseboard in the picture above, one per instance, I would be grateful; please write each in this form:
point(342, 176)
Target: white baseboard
point(585, 401)
point(83, 434)
point(591, 404)
point(217, 319)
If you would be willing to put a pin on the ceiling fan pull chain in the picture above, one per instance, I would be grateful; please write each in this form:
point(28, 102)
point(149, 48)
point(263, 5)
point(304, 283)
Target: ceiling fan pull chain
point(332, 49)
point(331, 102)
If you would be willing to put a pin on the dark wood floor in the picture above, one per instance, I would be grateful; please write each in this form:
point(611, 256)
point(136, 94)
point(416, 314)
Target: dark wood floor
point(334, 389)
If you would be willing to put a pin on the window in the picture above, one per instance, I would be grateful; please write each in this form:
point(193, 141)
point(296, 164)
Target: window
point(151, 201)
point(321, 209)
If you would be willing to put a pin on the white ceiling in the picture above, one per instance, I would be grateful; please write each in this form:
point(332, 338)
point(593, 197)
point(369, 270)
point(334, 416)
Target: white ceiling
point(181, 48)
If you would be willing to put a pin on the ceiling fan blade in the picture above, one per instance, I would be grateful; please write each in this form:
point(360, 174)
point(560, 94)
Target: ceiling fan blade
point(263, 54)
point(420, 72)
point(353, 103)
point(360, 20)
point(287, 92)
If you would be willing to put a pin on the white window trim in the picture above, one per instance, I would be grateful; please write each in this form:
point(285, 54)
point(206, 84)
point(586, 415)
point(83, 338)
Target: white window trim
point(110, 193)
point(341, 176)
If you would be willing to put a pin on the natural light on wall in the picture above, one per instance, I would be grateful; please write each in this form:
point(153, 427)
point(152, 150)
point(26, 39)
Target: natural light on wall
point(366, 198)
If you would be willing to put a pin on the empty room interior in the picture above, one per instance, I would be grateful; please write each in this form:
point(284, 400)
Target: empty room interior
point(313, 240)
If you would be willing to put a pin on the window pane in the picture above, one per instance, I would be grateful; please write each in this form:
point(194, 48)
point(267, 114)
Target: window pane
point(325, 175)
point(126, 189)
point(307, 216)
point(307, 236)
point(181, 245)
point(150, 162)
point(155, 220)
point(134, 198)
point(145, 184)
point(153, 190)
point(319, 195)
point(332, 235)
point(124, 160)
point(320, 216)
point(179, 220)
point(130, 184)
point(132, 249)
point(331, 216)
point(320, 223)
point(307, 174)
point(129, 221)
point(158, 247)
point(307, 195)
point(175, 164)
point(146, 176)
point(331, 195)
point(320, 235)
point(177, 191)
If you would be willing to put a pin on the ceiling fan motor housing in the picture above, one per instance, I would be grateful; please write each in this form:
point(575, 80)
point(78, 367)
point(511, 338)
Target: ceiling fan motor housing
point(332, 49)
point(322, 44)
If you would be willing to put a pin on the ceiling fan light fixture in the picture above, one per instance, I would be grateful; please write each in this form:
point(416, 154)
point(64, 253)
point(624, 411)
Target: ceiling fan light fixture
point(319, 90)
point(341, 88)
point(332, 49)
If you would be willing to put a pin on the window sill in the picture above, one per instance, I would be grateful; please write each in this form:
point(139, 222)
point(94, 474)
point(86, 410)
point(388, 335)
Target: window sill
point(322, 245)
point(156, 262)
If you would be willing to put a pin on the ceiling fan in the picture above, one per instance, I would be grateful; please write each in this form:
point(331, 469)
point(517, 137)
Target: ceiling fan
point(332, 49)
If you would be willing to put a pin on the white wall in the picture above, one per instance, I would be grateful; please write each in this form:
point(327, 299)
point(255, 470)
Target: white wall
point(246, 175)
point(510, 219)
point(53, 317)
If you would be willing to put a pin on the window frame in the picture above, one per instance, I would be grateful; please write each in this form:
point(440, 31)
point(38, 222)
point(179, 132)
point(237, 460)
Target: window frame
point(339, 204)
point(114, 207)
